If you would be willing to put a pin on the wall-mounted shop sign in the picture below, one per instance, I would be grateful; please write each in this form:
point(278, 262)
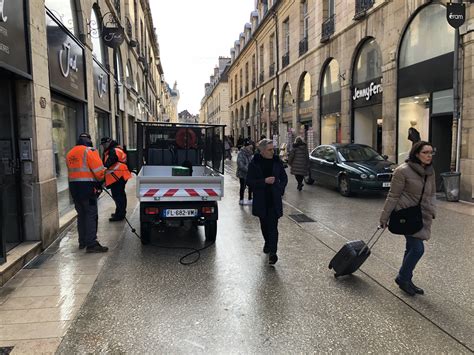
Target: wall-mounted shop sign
point(66, 61)
point(112, 32)
point(368, 93)
point(13, 51)
point(101, 87)
point(455, 14)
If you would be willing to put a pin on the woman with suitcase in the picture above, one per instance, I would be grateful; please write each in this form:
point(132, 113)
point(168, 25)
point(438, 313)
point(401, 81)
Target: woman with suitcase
point(413, 184)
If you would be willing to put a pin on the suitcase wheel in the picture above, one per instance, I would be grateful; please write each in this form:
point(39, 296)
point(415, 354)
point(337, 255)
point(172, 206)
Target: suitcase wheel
point(330, 266)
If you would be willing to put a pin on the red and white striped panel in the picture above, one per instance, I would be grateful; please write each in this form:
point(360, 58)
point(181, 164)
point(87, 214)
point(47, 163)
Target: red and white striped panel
point(179, 192)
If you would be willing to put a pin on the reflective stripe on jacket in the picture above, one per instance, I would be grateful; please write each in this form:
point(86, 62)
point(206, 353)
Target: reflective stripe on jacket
point(84, 164)
point(117, 170)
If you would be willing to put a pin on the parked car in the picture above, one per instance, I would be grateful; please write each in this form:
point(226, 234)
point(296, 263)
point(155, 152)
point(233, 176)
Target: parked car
point(350, 167)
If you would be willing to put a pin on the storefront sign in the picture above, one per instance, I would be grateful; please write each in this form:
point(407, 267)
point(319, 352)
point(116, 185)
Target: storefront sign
point(101, 87)
point(455, 14)
point(13, 51)
point(113, 36)
point(66, 61)
point(368, 93)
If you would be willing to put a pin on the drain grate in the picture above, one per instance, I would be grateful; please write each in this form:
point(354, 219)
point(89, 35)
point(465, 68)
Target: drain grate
point(38, 261)
point(301, 218)
point(5, 350)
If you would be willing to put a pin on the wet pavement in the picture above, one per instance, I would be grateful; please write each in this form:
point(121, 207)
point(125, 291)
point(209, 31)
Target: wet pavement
point(138, 299)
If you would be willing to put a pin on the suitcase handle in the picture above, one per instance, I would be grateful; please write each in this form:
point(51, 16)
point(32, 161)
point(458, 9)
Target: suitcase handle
point(372, 237)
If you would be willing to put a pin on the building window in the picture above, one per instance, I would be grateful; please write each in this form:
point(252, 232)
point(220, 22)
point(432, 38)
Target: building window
point(261, 63)
point(328, 26)
point(246, 77)
point(64, 11)
point(96, 37)
point(254, 70)
point(241, 82)
point(286, 35)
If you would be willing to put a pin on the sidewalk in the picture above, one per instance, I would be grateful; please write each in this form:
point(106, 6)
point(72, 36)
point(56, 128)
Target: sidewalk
point(38, 305)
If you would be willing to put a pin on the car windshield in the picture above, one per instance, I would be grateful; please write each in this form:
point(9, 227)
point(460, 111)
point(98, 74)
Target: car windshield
point(358, 153)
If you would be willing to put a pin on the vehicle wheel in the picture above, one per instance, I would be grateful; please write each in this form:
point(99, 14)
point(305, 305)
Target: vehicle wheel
point(344, 186)
point(308, 180)
point(210, 229)
point(145, 232)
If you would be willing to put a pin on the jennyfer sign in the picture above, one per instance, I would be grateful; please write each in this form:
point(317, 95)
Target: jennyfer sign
point(368, 93)
point(13, 53)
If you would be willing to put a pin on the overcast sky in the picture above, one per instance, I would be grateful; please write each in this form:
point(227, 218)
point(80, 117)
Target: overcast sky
point(192, 34)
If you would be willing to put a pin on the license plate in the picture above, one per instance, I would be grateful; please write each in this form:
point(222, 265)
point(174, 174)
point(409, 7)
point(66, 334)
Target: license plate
point(181, 213)
point(386, 184)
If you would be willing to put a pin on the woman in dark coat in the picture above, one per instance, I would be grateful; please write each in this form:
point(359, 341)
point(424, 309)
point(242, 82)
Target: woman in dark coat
point(298, 159)
point(267, 178)
point(406, 191)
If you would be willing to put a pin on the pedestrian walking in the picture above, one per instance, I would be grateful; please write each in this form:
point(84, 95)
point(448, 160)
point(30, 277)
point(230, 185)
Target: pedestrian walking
point(413, 183)
point(116, 176)
point(240, 141)
point(227, 148)
point(298, 159)
point(86, 174)
point(243, 160)
point(267, 178)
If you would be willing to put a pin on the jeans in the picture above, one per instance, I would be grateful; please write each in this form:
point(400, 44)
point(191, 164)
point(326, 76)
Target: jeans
point(413, 253)
point(242, 189)
point(87, 220)
point(269, 226)
point(120, 197)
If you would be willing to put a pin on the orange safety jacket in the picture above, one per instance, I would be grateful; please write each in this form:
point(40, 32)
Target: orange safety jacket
point(84, 165)
point(119, 169)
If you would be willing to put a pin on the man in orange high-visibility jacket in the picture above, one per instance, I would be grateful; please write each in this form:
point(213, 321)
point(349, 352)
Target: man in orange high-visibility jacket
point(86, 173)
point(116, 176)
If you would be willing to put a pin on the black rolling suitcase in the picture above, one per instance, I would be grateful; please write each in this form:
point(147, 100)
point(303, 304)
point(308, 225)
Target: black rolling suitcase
point(352, 255)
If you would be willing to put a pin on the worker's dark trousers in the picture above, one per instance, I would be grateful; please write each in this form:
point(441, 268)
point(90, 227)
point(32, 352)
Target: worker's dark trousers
point(87, 219)
point(120, 197)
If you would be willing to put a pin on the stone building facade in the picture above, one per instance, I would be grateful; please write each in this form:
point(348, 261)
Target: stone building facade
point(363, 71)
point(215, 103)
point(59, 79)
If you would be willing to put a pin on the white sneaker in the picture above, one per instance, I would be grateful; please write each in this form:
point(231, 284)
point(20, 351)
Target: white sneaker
point(248, 202)
point(241, 202)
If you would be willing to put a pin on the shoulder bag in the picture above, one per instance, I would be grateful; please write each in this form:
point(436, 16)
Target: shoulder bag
point(407, 221)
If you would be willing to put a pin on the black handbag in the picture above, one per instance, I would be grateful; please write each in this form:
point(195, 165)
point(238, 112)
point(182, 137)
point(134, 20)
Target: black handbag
point(407, 221)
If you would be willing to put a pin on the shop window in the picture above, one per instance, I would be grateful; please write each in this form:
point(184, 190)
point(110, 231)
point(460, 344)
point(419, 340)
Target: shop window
point(331, 104)
point(413, 123)
point(428, 36)
point(331, 78)
point(368, 64)
point(273, 98)
point(102, 122)
point(64, 11)
point(129, 74)
point(287, 98)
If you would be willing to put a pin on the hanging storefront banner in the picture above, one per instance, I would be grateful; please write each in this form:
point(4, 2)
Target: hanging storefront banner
point(113, 34)
point(13, 51)
point(368, 93)
point(456, 14)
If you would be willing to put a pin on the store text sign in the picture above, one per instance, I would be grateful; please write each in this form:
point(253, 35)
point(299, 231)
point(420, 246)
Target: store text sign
point(368, 93)
point(66, 61)
point(456, 14)
point(101, 87)
point(13, 51)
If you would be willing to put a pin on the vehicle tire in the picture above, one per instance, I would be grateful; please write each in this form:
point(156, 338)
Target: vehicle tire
point(210, 229)
point(344, 186)
point(308, 180)
point(145, 232)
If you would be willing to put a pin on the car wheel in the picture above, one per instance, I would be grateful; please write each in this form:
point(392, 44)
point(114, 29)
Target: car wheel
point(210, 230)
point(308, 180)
point(344, 186)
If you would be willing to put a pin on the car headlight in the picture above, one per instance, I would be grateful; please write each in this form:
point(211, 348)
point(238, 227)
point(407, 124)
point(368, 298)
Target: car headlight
point(363, 176)
point(371, 176)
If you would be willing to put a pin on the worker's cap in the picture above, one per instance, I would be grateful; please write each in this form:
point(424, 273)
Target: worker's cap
point(105, 140)
point(85, 135)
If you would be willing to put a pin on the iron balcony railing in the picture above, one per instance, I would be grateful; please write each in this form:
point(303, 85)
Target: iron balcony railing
point(271, 69)
point(327, 29)
point(128, 27)
point(361, 6)
point(303, 46)
point(285, 60)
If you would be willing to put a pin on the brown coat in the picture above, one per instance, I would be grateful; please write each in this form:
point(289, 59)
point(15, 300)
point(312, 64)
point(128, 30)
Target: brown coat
point(405, 191)
point(298, 159)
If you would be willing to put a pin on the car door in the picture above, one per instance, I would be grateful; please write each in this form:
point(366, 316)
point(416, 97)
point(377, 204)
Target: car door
point(328, 166)
point(315, 160)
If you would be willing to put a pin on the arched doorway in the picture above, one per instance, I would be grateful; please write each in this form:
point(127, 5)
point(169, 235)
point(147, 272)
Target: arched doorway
point(305, 109)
